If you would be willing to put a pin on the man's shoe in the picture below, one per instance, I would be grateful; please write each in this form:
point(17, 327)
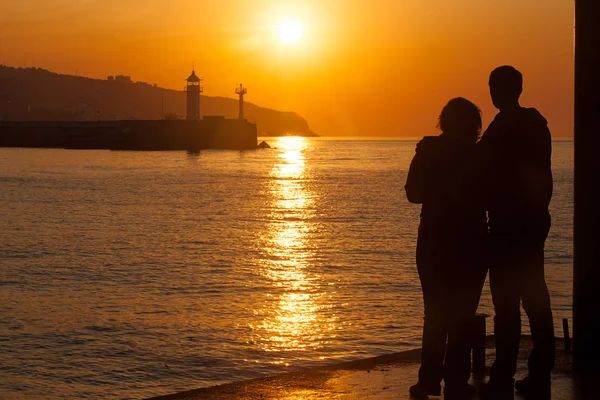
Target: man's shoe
point(459, 392)
point(534, 388)
point(421, 391)
point(498, 390)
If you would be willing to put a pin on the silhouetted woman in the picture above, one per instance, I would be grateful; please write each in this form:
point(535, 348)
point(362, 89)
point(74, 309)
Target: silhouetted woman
point(451, 240)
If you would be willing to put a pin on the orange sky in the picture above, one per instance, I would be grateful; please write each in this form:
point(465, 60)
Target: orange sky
point(363, 68)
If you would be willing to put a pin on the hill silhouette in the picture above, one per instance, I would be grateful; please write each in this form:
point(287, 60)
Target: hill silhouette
point(35, 94)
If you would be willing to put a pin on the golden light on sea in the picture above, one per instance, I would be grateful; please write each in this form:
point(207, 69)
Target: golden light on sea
point(291, 319)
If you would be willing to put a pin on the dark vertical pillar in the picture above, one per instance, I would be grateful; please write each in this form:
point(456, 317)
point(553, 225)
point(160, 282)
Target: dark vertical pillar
point(586, 290)
point(241, 114)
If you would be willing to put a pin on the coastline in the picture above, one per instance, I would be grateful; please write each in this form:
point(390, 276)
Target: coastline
point(382, 377)
point(309, 382)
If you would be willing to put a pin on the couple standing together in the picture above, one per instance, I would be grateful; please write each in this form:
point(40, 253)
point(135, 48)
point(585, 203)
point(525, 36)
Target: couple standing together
point(484, 207)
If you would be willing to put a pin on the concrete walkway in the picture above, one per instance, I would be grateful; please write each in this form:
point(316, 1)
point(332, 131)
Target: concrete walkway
point(385, 377)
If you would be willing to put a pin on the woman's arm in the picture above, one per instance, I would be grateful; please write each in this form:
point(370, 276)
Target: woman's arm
point(415, 181)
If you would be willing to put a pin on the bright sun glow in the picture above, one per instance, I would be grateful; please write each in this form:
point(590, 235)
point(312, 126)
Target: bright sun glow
point(290, 31)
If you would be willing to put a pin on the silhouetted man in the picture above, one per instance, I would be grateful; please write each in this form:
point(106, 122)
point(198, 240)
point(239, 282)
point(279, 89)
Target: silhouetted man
point(515, 151)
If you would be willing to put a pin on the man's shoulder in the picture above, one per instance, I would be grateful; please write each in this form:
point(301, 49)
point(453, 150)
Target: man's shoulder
point(516, 122)
point(535, 127)
point(533, 116)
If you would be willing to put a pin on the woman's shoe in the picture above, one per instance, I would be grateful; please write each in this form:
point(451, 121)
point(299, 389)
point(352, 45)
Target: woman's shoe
point(421, 391)
point(534, 388)
point(459, 392)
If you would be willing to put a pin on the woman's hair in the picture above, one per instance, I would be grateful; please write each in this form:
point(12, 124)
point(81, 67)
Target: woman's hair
point(461, 118)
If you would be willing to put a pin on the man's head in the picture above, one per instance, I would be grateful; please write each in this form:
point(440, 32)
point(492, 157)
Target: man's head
point(506, 85)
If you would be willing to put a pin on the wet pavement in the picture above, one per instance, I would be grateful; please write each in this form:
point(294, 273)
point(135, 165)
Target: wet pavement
point(385, 377)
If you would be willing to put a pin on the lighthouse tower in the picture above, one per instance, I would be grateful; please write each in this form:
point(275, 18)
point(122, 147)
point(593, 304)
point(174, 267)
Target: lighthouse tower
point(241, 91)
point(193, 90)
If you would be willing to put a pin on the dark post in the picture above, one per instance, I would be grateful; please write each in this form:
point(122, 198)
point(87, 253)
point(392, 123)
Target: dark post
point(478, 343)
point(566, 336)
point(586, 288)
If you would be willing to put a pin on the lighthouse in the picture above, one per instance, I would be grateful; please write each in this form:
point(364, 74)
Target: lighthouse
point(241, 91)
point(193, 90)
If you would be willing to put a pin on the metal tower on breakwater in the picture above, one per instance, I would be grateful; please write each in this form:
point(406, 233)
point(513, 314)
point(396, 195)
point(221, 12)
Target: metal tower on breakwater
point(241, 91)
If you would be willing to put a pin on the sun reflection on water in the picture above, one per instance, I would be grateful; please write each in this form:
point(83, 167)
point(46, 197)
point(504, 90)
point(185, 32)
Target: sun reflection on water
point(293, 316)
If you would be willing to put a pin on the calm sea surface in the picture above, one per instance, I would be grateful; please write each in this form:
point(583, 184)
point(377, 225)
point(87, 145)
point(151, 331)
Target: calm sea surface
point(134, 274)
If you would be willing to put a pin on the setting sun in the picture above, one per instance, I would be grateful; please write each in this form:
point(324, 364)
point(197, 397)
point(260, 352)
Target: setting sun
point(290, 31)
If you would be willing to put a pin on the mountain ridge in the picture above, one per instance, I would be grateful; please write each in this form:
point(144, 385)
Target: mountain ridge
point(36, 94)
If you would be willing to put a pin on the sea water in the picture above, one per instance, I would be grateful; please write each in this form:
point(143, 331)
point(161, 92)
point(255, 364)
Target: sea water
point(135, 274)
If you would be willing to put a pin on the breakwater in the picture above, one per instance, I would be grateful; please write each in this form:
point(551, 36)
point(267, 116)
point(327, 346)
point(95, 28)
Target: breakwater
point(208, 133)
